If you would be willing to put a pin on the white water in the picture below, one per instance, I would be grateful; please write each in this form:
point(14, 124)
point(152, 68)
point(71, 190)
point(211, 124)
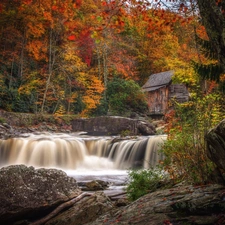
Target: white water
point(82, 155)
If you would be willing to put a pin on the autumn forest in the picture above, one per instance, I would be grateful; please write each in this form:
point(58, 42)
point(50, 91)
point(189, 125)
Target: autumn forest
point(88, 57)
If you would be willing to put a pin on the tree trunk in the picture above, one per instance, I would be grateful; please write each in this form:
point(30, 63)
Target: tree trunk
point(105, 68)
point(20, 70)
point(99, 63)
point(50, 65)
point(214, 22)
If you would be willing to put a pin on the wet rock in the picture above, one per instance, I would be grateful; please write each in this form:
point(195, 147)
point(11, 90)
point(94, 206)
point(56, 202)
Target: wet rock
point(27, 193)
point(179, 205)
point(103, 183)
point(95, 185)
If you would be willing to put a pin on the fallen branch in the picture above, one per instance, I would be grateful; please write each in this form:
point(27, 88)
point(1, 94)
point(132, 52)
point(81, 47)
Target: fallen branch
point(60, 208)
point(116, 195)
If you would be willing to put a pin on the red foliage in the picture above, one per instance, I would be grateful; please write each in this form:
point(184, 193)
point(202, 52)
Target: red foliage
point(72, 37)
point(167, 222)
point(212, 86)
point(78, 3)
point(86, 45)
point(171, 121)
point(27, 2)
point(54, 7)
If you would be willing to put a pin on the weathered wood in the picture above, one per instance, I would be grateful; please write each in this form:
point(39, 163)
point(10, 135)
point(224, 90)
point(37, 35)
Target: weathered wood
point(161, 90)
point(158, 100)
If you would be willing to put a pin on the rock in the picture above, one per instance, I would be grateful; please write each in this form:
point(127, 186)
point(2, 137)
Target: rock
point(28, 193)
point(20, 123)
point(215, 139)
point(178, 205)
point(145, 128)
point(14, 124)
point(95, 185)
point(6, 125)
point(121, 202)
point(87, 210)
point(113, 125)
point(134, 115)
point(215, 142)
point(103, 183)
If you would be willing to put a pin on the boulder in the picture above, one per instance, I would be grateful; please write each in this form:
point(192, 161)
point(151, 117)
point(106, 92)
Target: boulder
point(50, 197)
point(178, 205)
point(46, 196)
point(113, 125)
point(87, 210)
point(94, 185)
point(145, 128)
point(215, 140)
point(28, 193)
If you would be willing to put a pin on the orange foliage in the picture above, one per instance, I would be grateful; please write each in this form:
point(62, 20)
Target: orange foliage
point(213, 85)
point(92, 95)
point(79, 44)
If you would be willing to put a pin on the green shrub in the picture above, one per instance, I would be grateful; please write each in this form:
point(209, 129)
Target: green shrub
point(125, 133)
point(142, 182)
point(125, 96)
point(185, 149)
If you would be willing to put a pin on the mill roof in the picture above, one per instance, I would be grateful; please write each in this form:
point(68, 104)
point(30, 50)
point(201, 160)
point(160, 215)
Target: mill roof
point(158, 80)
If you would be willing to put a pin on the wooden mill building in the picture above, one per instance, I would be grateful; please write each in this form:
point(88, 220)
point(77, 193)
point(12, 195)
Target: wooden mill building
point(160, 91)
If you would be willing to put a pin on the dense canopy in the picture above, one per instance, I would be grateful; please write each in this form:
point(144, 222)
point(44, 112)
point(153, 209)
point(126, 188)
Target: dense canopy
point(59, 56)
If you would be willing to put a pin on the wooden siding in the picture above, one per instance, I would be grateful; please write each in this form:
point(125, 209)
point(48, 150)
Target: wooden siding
point(179, 92)
point(158, 99)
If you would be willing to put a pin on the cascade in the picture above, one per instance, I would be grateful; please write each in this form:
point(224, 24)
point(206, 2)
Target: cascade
point(74, 152)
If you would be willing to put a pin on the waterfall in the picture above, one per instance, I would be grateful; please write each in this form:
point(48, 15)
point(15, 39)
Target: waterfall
point(73, 152)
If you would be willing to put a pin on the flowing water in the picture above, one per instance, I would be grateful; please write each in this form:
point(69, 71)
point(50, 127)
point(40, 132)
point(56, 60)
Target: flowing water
point(83, 157)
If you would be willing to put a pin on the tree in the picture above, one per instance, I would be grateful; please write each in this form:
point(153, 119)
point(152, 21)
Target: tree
point(213, 18)
point(125, 96)
point(56, 54)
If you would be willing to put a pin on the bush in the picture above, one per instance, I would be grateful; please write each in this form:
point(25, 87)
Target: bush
point(142, 182)
point(125, 95)
point(185, 149)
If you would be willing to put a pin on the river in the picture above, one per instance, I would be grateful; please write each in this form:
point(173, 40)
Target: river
point(84, 157)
